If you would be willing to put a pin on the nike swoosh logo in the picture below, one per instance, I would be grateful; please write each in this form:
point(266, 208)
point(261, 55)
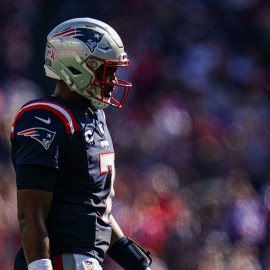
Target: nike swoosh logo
point(46, 121)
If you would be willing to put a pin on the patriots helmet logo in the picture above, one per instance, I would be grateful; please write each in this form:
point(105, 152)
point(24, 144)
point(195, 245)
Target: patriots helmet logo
point(42, 135)
point(89, 36)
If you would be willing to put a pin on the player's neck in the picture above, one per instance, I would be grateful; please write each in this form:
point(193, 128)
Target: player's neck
point(63, 92)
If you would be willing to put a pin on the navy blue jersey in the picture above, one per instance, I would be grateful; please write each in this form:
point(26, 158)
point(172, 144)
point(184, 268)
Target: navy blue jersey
point(50, 132)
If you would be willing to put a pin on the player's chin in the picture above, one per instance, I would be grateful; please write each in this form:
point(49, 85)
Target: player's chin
point(107, 100)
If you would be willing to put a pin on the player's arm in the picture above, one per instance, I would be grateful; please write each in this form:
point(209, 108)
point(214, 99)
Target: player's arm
point(33, 207)
point(34, 202)
point(126, 252)
point(117, 233)
point(37, 141)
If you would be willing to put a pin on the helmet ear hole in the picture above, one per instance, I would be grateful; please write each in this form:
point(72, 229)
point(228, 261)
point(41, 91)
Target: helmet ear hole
point(74, 71)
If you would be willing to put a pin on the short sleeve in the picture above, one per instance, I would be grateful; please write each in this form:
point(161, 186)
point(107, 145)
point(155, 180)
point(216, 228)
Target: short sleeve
point(38, 139)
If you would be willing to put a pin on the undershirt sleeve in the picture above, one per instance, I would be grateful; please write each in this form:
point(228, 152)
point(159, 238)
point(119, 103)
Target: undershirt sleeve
point(35, 177)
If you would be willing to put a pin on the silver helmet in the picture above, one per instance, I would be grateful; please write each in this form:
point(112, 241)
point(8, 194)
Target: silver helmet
point(76, 49)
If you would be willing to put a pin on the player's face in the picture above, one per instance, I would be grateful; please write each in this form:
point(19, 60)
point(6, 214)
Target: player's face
point(105, 83)
point(109, 77)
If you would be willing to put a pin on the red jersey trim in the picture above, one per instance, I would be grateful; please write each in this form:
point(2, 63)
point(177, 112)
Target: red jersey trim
point(63, 114)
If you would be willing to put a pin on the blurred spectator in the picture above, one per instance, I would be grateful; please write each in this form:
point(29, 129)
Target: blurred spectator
point(194, 139)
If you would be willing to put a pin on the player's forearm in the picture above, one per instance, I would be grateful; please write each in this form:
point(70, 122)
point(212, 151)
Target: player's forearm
point(117, 233)
point(33, 208)
point(35, 240)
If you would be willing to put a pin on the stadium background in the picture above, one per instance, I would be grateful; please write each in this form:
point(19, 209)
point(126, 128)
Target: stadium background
point(192, 144)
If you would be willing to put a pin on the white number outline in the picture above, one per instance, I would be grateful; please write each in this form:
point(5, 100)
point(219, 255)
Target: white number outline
point(106, 163)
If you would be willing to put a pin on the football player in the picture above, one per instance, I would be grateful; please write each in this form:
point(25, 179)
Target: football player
point(64, 157)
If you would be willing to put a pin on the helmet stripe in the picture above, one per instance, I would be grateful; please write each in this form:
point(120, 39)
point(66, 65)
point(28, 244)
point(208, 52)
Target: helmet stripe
point(68, 32)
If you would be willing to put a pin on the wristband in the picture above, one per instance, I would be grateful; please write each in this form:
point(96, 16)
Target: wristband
point(42, 264)
point(129, 254)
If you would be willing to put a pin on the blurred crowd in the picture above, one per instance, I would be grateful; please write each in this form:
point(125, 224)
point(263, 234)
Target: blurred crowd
point(193, 141)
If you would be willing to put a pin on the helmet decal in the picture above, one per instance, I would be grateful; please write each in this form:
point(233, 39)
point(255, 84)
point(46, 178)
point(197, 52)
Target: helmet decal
point(87, 35)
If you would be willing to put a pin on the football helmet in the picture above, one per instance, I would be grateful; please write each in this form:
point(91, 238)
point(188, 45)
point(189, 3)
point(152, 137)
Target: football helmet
point(81, 52)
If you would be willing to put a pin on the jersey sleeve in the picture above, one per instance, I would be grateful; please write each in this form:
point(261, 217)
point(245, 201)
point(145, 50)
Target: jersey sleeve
point(38, 139)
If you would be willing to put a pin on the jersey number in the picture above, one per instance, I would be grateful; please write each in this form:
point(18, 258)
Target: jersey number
point(106, 164)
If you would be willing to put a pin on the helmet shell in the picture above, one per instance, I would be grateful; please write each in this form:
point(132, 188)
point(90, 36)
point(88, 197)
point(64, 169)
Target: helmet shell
point(76, 48)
